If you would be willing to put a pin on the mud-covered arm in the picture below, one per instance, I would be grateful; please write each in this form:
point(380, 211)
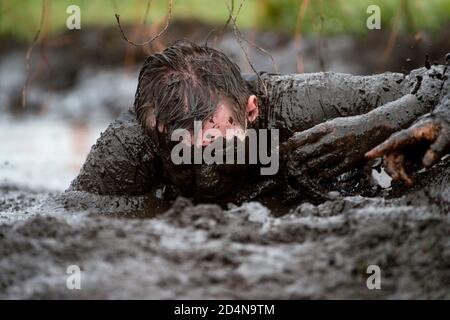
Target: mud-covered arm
point(122, 161)
point(336, 145)
point(297, 102)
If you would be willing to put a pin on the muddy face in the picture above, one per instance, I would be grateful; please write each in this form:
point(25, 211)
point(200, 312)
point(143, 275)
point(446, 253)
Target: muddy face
point(211, 182)
point(206, 179)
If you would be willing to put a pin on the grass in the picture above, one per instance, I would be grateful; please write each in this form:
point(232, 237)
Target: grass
point(21, 19)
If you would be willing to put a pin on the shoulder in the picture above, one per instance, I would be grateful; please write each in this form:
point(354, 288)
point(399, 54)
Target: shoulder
point(120, 162)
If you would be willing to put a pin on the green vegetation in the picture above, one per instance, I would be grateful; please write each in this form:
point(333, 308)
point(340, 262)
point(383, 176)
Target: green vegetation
point(21, 19)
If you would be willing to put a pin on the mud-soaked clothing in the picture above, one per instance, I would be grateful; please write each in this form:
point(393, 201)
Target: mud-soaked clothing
point(298, 102)
point(124, 161)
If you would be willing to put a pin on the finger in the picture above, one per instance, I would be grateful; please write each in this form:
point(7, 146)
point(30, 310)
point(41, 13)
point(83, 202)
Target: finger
point(312, 189)
point(424, 131)
point(434, 153)
point(295, 170)
point(323, 161)
point(298, 174)
point(308, 186)
point(395, 167)
point(338, 169)
point(403, 175)
point(395, 141)
point(306, 152)
point(389, 161)
point(308, 136)
point(430, 158)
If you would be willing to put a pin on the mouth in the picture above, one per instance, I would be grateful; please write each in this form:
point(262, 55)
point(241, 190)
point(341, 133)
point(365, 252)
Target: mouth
point(210, 182)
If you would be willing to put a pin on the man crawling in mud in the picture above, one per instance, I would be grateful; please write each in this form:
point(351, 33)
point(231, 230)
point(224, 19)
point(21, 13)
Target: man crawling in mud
point(328, 124)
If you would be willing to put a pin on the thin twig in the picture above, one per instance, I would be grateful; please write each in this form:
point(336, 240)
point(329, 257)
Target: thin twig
point(239, 39)
point(30, 51)
point(169, 16)
point(262, 50)
point(225, 26)
point(321, 59)
point(147, 10)
point(251, 43)
point(298, 34)
point(138, 29)
point(229, 17)
point(210, 33)
point(1, 14)
point(392, 37)
point(239, 10)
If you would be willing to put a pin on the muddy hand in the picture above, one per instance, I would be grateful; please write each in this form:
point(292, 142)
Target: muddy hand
point(329, 148)
point(395, 166)
point(433, 129)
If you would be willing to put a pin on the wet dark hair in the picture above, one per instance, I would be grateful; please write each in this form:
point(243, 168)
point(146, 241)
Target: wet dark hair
point(184, 83)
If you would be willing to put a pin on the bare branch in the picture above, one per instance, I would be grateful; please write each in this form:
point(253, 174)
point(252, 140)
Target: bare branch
point(169, 16)
point(254, 45)
point(263, 51)
point(298, 34)
point(251, 43)
point(225, 26)
point(147, 10)
point(239, 39)
point(392, 37)
point(208, 36)
point(320, 47)
point(229, 17)
point(30, 51)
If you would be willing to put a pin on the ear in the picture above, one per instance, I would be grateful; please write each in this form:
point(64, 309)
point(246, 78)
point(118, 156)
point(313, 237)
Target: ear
point(252, 108)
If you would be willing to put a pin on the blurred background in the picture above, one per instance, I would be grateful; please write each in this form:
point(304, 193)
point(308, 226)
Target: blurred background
point(60, 88)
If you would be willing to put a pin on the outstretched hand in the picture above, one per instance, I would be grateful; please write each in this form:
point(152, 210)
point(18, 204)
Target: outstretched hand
point(329, 148)
point(432, 129)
